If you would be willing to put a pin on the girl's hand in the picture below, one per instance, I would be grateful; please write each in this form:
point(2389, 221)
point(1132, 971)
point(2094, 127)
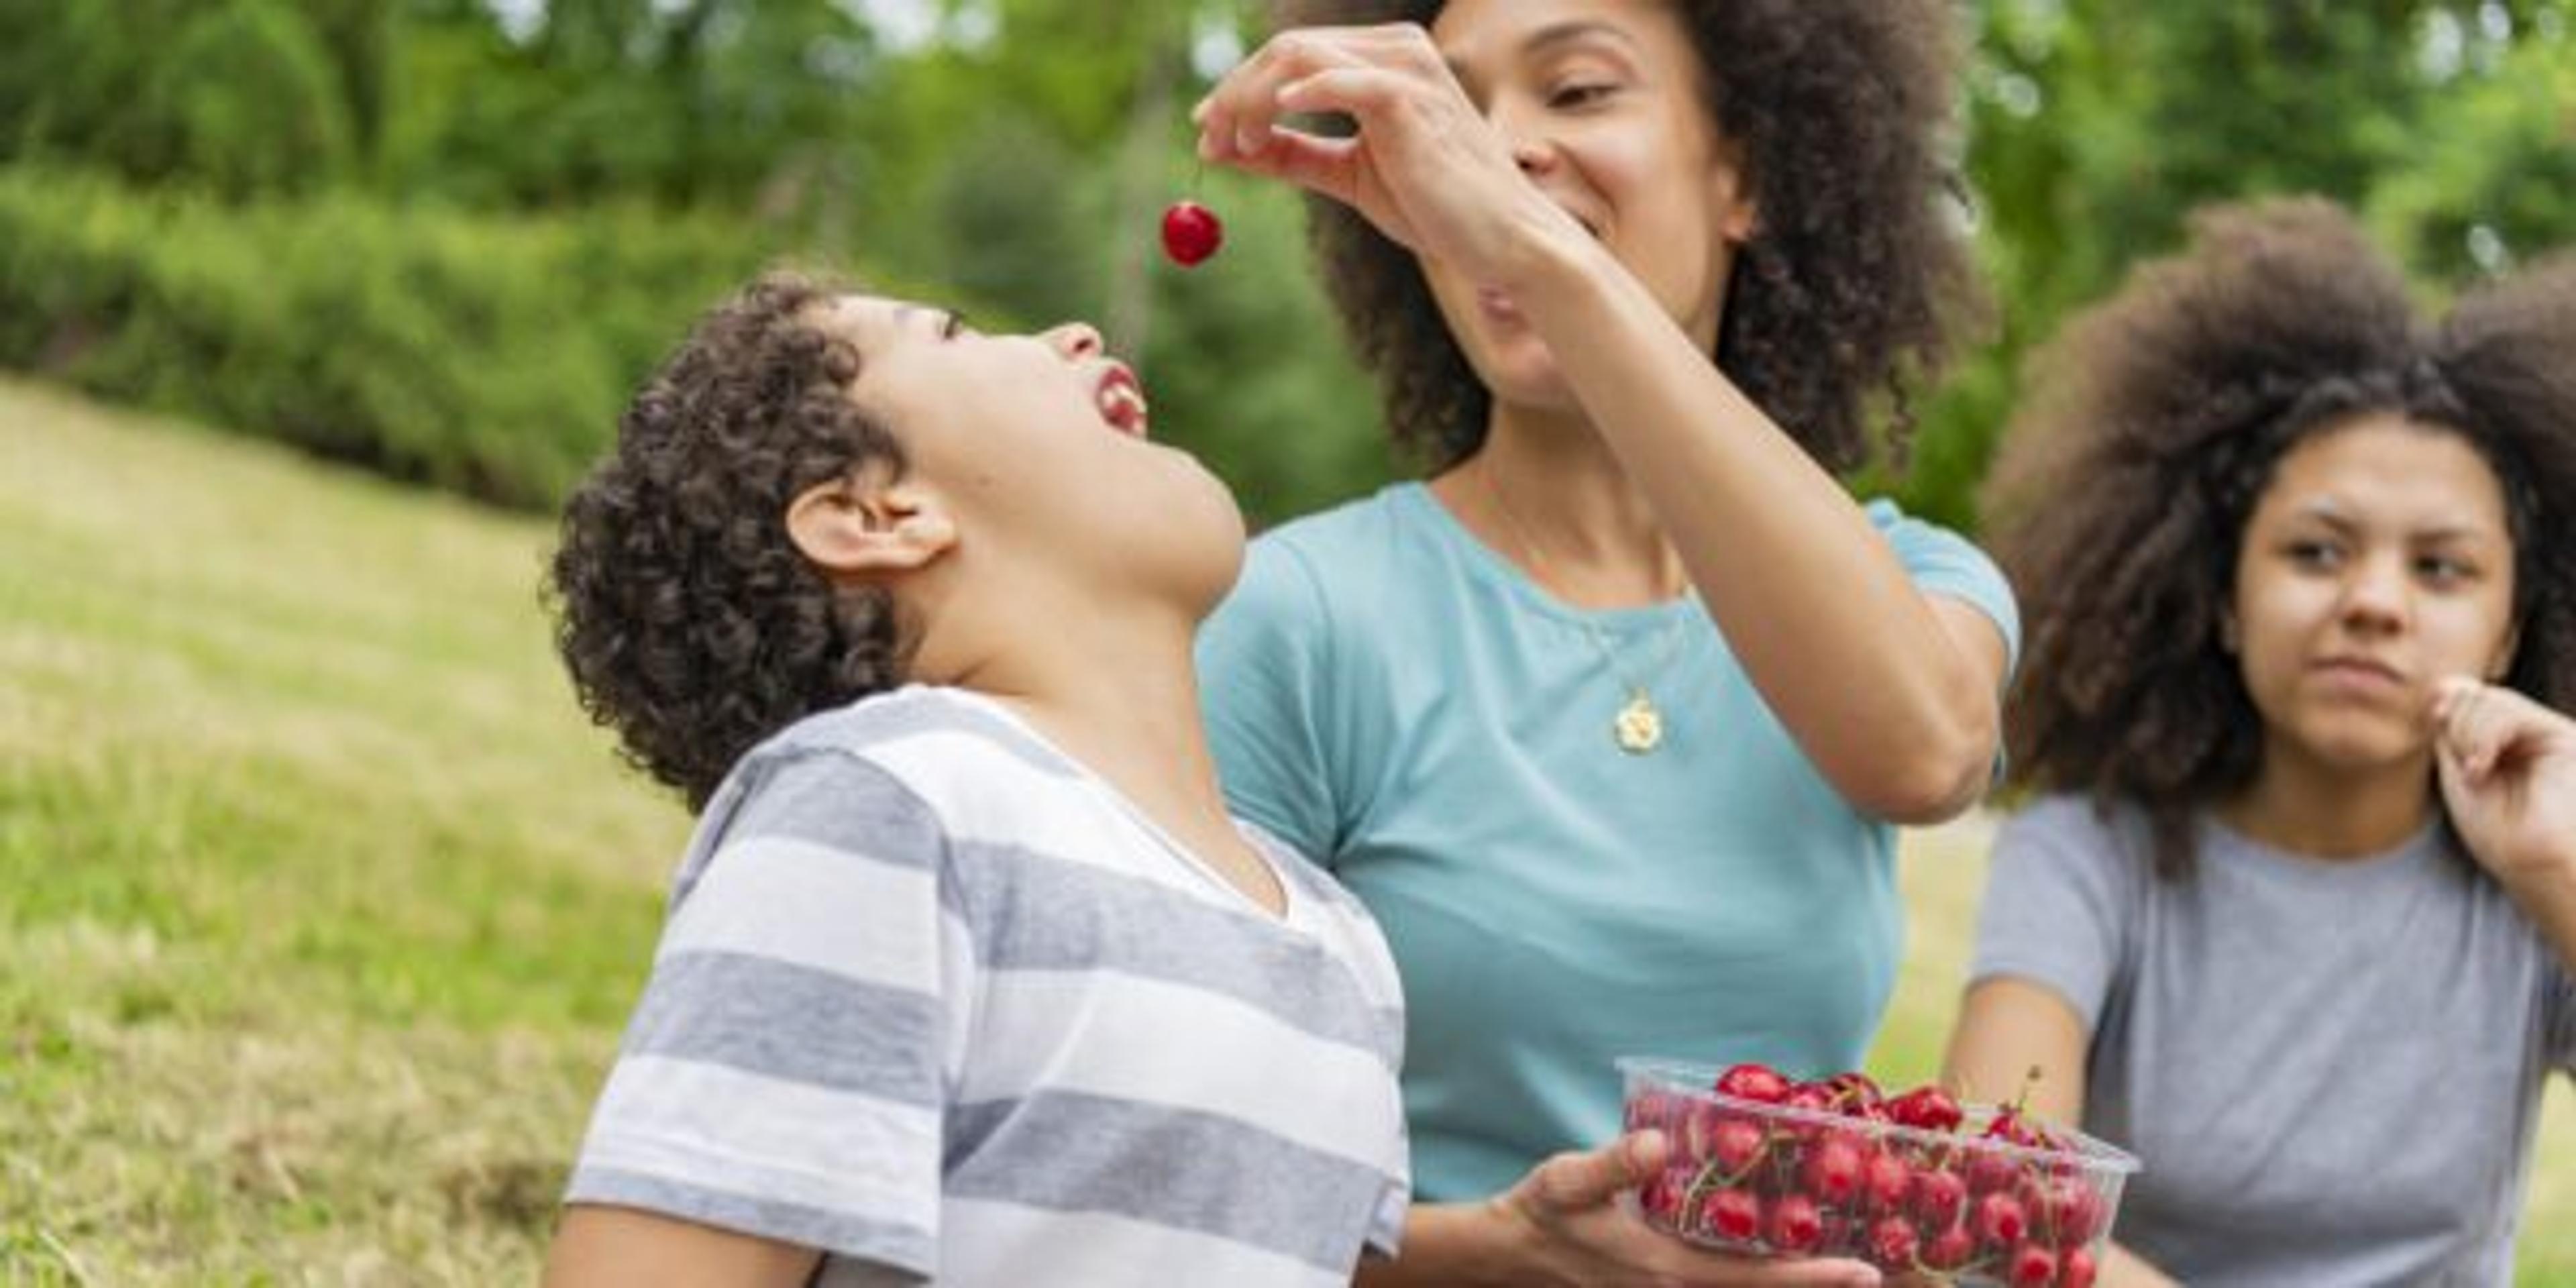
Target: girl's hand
point(1571, 1228)
point(2508, 771)
point(1425, 166)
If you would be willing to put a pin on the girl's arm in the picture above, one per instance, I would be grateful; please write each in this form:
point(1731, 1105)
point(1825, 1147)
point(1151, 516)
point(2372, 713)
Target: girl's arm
point(632, 1248)
point(2507, 766)
point(2011, 1032)
point(1891, 692)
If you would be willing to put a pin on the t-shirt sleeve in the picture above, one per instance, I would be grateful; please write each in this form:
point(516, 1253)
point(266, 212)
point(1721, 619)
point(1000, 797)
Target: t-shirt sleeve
point(1944, 563)
point(2058, 905)
point(1263, 663)
point(783, 1074)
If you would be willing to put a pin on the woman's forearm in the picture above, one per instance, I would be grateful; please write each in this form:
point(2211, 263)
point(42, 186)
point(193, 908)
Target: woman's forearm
point(1894, 700)
point(1448, 1244)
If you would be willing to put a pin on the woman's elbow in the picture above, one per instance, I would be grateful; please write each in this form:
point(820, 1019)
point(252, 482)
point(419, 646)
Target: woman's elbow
point(1935, 776)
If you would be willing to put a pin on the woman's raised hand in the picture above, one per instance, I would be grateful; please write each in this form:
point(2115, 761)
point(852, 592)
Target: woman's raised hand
point(2508, 771)
point(1566, 1218)
point(1424, 166)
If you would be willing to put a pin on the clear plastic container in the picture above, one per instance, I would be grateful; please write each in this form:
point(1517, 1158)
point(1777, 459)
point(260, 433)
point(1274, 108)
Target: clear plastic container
point(1766, 1180)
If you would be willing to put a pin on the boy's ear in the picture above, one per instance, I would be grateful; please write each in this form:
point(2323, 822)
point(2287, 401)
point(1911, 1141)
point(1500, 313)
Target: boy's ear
point(866, 526)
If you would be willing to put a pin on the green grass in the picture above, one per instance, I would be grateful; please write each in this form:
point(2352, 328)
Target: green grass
point(320, 905)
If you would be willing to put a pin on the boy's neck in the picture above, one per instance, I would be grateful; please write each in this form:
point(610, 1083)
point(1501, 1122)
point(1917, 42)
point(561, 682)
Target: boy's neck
point(1119, 693)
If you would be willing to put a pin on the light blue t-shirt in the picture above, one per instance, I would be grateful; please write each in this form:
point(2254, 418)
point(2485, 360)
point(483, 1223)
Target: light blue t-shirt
point(1395, 699)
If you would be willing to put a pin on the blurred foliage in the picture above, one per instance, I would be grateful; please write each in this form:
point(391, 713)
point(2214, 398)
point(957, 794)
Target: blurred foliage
point(576, 177)
point(481, 355)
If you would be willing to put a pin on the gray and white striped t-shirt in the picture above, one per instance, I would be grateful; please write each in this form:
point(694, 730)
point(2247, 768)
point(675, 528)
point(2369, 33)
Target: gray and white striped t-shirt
point(937, 1000)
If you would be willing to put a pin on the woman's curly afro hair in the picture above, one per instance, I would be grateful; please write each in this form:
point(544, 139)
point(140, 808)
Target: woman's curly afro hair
point(2154, 425)
point(1858, 273)
point(691, 624)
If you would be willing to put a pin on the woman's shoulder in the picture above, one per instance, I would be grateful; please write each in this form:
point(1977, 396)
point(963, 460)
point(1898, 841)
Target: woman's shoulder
point(1350, 554)
point(1359, 524)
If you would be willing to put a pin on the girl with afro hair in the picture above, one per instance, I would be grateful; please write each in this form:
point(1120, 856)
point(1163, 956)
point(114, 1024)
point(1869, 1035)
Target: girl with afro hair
point(2293, 910)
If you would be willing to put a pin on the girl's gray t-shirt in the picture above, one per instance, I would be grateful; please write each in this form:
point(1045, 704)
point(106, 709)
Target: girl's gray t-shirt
point(2330, 1069)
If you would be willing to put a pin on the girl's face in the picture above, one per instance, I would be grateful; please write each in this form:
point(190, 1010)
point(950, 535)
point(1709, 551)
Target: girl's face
point(2376, 562)
point(1603, 102)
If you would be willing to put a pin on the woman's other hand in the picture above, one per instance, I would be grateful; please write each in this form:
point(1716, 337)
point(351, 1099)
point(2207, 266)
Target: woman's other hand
point(1571, 1228)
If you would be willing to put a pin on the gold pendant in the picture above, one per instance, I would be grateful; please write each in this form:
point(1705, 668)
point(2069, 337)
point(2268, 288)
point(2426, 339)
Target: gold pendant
point(1639, 727)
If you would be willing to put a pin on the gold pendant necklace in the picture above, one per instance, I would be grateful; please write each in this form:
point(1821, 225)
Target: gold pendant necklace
point(1638, 728)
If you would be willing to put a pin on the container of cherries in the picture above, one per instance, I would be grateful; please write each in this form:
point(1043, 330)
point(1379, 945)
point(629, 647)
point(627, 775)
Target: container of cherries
point(1917, 1183)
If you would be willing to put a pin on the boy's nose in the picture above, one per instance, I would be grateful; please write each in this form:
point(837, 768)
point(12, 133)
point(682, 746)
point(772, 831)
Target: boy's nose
point(1075, 340)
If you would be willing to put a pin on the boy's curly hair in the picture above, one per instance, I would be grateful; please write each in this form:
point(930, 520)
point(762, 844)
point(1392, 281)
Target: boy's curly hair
point(2154, 424)
point(691, 624)
point(1856, 277)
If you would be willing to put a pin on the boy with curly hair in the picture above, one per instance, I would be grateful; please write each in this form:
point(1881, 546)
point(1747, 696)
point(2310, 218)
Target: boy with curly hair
point(968, 973)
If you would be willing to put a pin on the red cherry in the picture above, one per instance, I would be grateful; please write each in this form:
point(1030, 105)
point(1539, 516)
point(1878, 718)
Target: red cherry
point(1939, 1197)
point(1892, 1243)
point(1737, 1144)
point(1736, 1215)
point(1887, 1180)
point(2072, 1209)
point(1929, 1108)
point(1999, 1220)
point(1990, 1171)
point(1810, 1096)
point(1834, 1169)
point(1191, 233)
point(1796, 1226)
point(2033, 1267)
point(1950, 1249)
point(1662, 1197)
point(2078, 1271)
point(1756, 1082)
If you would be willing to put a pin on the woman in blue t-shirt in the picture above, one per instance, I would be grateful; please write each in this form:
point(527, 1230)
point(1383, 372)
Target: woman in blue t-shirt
point(2297, 921)
point(1609, 719)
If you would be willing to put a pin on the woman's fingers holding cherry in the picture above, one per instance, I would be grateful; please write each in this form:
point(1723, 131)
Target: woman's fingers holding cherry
point(1239, 118)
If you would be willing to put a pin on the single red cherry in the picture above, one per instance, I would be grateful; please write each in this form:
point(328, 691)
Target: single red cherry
point(1835, 1169)
point(1191, 233)
point(1999, 1221)
point(1796, 1226)
point(2078, 1270)
point(2033, 1267)
point(1939, 1197)
point(1734, 1215)
point(1929, 1108)
point(1893, 1242)
point(1950, 1249)
point(2072, 1209)
point(1662, 1196)
point(1757, 1082)
point(1737, 1144)
point(1887, 1180)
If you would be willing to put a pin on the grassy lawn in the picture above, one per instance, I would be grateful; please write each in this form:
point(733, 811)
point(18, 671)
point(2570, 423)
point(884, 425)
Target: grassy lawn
point(320, 905)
